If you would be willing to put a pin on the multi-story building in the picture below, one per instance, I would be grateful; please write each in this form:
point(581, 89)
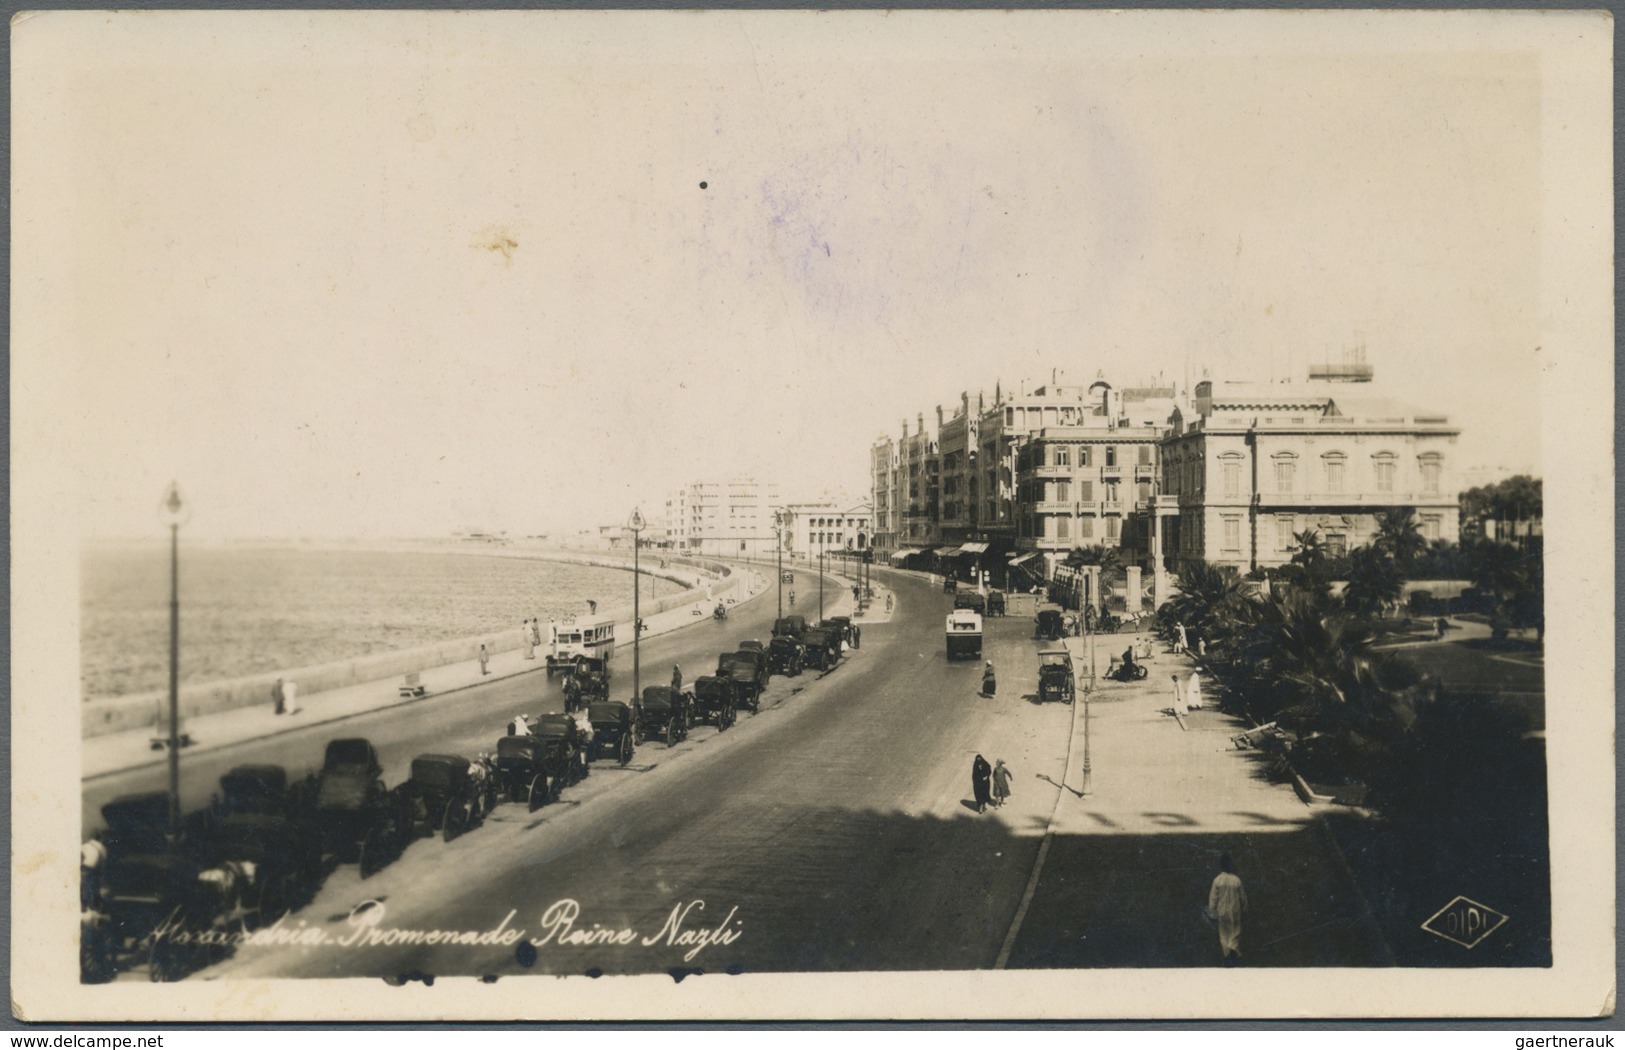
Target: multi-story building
point(1253, 465)
point(829, 524)
point(732, 517)
point(883, 471)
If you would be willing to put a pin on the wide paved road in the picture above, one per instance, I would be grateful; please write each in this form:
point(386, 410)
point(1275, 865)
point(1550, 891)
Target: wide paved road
point(829, 832)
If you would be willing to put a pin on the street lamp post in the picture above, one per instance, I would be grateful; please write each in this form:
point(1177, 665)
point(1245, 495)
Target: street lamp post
point(635, 525)
point(1088, 694)
point(174, 514)
point(820, 577)
point(778, 541)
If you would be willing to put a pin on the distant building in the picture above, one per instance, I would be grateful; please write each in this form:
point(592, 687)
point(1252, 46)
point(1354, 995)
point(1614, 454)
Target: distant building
point(1254, 464)
point(722, 518)
point(830, 524)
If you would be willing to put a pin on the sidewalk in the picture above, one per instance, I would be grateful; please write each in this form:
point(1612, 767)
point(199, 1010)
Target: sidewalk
point(1131, 860)
point(117, 752)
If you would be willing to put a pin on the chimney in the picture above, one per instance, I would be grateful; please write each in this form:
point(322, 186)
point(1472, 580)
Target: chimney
point(939, 418)
point(905, 428)
point(920, 420)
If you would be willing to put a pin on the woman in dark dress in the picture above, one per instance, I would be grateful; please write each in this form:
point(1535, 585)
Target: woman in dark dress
point(990, 683)
point(981, 775)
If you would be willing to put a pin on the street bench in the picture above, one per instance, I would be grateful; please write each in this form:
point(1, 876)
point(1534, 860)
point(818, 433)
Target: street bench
point(413, 686)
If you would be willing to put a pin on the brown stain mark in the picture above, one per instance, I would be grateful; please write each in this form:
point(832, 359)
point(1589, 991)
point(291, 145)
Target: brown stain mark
point(500, 241)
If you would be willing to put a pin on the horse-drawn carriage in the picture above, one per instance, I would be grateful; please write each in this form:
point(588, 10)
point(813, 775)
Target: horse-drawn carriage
point(358, 819)
point(714, 702)
point(667, 713)
point(1050, 622)
point(616, 731)
point(1056, 680)
point(448, 794)
point(995, 603)
point(823, 647)
point(748, 671)
point(844, 628)
point(791, 626)
point(520, 773)
point(261, 829)
point(151, 895)
point(786, 656)
point(588, 683)
point(949, 584)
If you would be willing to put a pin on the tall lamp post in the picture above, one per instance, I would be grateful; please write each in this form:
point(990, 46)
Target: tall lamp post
point(820, 577)
point(1088, 694)
point(174, 513)
point(778, 541)
point(635, 525)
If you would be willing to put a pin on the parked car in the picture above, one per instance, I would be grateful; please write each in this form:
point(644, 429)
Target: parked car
point(823, 647)
point(616, 730)
point(972, 601)
point(667, 713)
point(749, 675)
point(715, 702)
point(786, 656)
point(794, 626)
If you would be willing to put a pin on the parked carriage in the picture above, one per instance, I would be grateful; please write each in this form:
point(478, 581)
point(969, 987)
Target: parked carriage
point(752, 645)
point(667, 713)
point(446, 797)
point(358, 818)
point(793, 626)
point(714, 702)
point(521, 773)
point(151, 893)
point(748, 671)
point(823, 647)
point(995, 603)
point(591, 678)
point(971, 600)
point(262, 826)
point(564, 749)
point(1056, 679)
point(786, 656)
point(845, 627)
point(616, 730)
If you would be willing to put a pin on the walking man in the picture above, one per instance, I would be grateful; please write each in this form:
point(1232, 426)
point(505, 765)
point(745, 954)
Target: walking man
point(1226, 901)
point(535, 630)
point(1001, 783)
point(525, 636)
point(276, 697)
point(485, 659)
point(676, 679)
point(1179, 698)
point(1181, 646)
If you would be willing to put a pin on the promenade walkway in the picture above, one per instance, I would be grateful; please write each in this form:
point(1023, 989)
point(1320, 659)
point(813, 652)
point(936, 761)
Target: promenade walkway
point(117, 752)
point(1129, 865)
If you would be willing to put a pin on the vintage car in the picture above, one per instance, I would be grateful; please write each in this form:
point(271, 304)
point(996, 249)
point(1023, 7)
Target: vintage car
point(950, 584)
point(358, 818)
point(752, 644)
point(258, 824)
point(521, 772)
point(963, 631)
point(446, 797)
point(576, 640)
point(1056, 680)
point(616, 730)
point(995, 603)
point(823, 647)
point(793, 626)
point(748, 671)
point(971, 600)
point(714, 702)
point(787, 577)
point(1050, 622)
point(667, 713)
point(847, 629)
point(786, 656)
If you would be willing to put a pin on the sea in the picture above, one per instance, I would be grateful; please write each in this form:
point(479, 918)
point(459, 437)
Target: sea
point(247, 610)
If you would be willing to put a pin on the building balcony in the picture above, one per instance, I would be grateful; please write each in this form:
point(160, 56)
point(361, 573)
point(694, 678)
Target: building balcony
point(1144, 472)
point(1367, 502)
point(1111, 506)
point(1049, 472)
point(1109, 473)
point(1055, 507)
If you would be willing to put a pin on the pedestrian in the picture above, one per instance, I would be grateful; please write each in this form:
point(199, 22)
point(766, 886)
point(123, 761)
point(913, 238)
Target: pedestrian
point(1439, 627)
point(525, 636)
point(1181, 646)
point(1201, 648)
point(888, 603)
point(592, 607)
point(572, 693)
point(485, 659)
point(1179, 698)
point(1001, 782)
point(290, 697)
point(1193, 692)
point(1226, 901)
point(676, 679)
point(535, 631)
point(519, 726)
point(980, 774)
point(857, 637)
point(276, 697)
point(990, 682)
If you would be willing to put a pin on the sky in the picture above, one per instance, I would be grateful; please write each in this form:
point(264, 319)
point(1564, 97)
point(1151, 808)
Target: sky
point(400, 274)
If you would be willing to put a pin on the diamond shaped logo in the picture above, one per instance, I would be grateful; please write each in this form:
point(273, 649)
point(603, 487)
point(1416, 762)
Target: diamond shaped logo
point(1464, 921)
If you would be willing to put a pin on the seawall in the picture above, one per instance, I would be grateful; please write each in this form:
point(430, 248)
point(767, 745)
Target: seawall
point(118, 714)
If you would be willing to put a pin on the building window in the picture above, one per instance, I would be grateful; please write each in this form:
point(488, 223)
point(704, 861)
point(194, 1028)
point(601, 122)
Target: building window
point(1232, 534)
point(1063, 491)
point(1383, 464)
point(1430, 474)
point(1145, 455)
point(1111, 528)
point(1337, 544)
point(1334, 471)
point(1285, 525)
point(1110, 491)
point(1083, 456)
point(1063, 527)
point(1232, 476)
point(1430, 527)
point(1086, 528)
point(1286, 470)
point(1111, 455)
point(1063, 456)
point(1086, 491)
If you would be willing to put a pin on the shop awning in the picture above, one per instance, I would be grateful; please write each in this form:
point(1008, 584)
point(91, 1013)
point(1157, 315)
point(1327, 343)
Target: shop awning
point(943, 552)
point(903, 554)
point(1016, 557)
point(973, 548)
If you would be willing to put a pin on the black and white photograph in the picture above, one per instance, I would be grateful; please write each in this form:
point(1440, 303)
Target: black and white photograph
point(849, 515)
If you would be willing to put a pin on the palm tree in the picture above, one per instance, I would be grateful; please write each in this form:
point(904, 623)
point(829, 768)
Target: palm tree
point(1212, 601)
point(1308, 569)
point(1374, 583)
point(1399, 535)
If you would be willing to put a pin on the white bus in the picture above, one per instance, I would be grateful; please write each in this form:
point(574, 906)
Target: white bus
point(573, 640)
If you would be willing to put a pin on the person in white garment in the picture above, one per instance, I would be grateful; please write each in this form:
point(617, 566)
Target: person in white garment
point(1193, 692)
point(1226, 901)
